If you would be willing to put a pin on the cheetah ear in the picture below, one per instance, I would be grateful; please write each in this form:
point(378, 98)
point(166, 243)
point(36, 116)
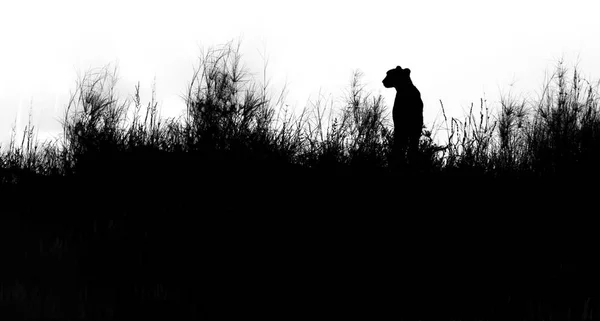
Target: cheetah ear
point(407, 71)
point(398, 67)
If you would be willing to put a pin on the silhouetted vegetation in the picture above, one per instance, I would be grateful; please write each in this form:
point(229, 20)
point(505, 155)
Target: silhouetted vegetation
point(548, 136)
point(129, 215)
point(232, 120)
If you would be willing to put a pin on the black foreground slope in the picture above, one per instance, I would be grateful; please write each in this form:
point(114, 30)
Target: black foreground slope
point(285, 245)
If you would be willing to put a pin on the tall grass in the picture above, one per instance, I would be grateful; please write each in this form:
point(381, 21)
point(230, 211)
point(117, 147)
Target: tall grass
point(553, 135)
point(232, 124)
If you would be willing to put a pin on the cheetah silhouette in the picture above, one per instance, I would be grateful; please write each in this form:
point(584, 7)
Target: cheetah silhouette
point(407, 115)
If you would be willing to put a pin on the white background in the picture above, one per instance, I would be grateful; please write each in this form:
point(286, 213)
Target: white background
point(458, 51)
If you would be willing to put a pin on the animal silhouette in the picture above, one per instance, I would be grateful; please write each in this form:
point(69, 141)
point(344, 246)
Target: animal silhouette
point(407, 115)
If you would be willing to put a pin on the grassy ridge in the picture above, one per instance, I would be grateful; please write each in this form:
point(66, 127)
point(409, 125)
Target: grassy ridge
point(258, 197)
point(233, 126)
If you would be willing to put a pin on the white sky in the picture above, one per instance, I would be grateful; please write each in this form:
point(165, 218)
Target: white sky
point(457, 50)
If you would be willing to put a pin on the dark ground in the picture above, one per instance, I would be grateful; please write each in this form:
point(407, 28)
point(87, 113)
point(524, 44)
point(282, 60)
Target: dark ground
point(306, 245)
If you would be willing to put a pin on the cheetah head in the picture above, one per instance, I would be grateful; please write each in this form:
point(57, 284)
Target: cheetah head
point(397, 77)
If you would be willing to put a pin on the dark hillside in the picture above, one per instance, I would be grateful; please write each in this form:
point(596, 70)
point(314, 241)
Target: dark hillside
point(239, 208)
